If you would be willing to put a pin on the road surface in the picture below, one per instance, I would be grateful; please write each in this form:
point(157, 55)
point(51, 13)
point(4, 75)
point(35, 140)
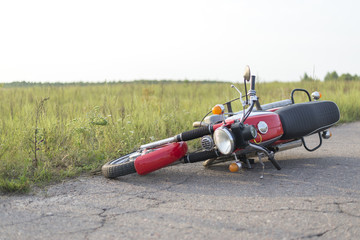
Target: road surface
point(315, 195)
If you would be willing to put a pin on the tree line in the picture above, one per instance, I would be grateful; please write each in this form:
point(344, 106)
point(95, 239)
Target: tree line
point(332, 76)
point(45, 84)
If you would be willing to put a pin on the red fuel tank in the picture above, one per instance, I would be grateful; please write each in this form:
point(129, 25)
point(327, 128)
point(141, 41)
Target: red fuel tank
point(263, 120)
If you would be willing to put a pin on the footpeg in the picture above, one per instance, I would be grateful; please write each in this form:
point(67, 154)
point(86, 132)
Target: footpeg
point(274, 162)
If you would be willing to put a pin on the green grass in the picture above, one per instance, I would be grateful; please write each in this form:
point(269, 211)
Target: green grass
point(81, 127)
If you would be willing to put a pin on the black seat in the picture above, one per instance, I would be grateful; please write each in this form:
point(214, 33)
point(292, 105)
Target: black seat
point(302, 119)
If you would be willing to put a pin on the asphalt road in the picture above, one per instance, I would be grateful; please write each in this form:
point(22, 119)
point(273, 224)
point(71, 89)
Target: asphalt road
point(315, 195)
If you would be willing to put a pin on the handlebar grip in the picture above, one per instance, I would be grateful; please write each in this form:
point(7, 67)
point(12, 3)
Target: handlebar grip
point(252, 83)
point(200, 156)
point(195, 133)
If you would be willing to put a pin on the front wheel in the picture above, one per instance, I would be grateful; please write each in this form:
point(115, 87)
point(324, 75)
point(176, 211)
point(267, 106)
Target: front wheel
point(120, 167)
point(146, 161)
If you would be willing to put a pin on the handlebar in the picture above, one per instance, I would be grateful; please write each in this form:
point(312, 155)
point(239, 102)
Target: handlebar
point(185, 136)
point(195, 133)
point(201, 156)
point(252, 83)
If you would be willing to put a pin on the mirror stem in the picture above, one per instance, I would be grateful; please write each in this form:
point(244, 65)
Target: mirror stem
point(247, 100)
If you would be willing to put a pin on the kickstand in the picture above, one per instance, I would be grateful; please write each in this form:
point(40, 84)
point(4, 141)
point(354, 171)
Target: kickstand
point(260, 155)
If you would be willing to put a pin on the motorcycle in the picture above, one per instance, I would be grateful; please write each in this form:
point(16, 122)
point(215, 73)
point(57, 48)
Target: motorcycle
point(256, 131)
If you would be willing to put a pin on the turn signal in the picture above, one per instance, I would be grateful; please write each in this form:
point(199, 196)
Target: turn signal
point(218, 109)
point(326, 134)
point(234, 167)
point(316, 95)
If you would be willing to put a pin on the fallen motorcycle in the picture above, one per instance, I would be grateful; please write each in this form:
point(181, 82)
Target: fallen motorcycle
point(256, 131)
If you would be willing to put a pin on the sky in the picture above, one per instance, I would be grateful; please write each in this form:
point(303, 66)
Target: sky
point(113, 40)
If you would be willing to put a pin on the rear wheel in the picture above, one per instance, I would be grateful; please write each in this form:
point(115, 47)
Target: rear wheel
point(119, 167)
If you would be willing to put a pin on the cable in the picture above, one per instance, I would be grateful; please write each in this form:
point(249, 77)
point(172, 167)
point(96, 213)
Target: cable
point(204, 118)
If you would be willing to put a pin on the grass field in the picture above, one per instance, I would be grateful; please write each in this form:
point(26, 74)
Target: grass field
point(50, 133)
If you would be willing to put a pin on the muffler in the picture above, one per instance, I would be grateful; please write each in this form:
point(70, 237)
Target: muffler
point(288, 145)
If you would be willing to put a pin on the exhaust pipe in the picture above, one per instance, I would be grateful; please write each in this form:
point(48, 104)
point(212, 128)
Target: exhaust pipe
point(289, 145)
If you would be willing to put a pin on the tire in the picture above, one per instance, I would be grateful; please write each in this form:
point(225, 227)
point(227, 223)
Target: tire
point(120, 167)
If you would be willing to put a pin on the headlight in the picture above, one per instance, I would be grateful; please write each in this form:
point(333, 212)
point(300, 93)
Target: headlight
point(224, 140)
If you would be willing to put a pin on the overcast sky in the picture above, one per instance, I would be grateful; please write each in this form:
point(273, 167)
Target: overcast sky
point(84, 40)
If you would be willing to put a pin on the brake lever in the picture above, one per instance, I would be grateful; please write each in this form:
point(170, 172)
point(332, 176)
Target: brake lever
point(243, 103)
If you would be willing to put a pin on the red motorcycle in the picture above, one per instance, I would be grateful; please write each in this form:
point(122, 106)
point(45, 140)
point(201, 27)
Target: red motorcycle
point(257, 131)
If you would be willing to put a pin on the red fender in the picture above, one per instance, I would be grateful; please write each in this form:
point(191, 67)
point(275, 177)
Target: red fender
point(160, 158)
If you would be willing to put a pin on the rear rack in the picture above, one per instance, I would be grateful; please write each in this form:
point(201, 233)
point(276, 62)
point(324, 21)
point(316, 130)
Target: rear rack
point(302, 138)
point(299, 90)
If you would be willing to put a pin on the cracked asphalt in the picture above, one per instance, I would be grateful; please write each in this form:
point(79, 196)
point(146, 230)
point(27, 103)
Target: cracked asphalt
point(315, 195)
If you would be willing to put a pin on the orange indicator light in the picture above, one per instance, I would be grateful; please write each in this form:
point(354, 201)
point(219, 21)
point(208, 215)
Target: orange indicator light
point(234, 167)
point(218, 109)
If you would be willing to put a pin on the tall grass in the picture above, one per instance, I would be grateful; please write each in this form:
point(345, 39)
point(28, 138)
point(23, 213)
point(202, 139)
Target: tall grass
point(80, 127)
